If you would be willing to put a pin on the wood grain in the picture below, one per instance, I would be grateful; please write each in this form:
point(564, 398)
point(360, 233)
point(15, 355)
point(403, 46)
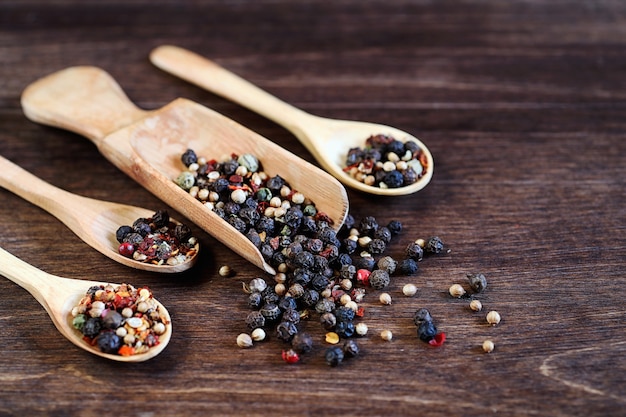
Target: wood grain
point(522, 104)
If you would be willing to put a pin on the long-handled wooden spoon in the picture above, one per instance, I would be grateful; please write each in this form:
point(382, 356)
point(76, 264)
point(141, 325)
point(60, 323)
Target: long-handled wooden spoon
point(147, 145)
point(94, 221)
point(58, 295)
point(328, 140)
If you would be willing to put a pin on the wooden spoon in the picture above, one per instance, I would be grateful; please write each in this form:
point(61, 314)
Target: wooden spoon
point(328, 140)
point(58, 295)
point(94, 221)
point(147, 145)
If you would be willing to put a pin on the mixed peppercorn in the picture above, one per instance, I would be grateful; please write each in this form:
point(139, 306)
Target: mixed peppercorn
point(386, 162)
point(157, 240)
point(119, 320)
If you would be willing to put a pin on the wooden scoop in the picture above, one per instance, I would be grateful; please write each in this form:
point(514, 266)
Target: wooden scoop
point(147, 145)
point(58, 295)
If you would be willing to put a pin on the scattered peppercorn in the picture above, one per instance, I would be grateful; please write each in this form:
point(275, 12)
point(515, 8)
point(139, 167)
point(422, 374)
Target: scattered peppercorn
point(476, 305)
point(488, 346)
point(386, 335)
point(477, 282)
point(334, 355)
point(409, 290)
point(493, 317)
point(456, 290)
point(244, 340)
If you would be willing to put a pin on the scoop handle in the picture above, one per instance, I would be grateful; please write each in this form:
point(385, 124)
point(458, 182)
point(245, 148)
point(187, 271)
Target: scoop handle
point(211, 76)
point(85, 100)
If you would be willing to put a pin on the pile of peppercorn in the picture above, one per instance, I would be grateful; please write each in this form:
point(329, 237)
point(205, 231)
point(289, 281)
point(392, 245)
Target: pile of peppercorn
point(386, 162)
point(157, 240)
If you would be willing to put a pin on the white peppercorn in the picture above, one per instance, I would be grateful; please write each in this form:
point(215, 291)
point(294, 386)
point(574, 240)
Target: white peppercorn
point(476, 305)
point(361, 329)
point(493, 317)
point(244, 340)
point(386, 335)
point(225, 271)
point(409, 290)
point(488, 346)
point(456, 290)
point(258, 335)
point(385, 299)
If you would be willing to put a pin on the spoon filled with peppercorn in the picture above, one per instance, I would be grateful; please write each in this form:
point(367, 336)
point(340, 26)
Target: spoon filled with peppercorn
point(147, 146)
point(63, 299)
point(108, 227)
point(369, 157)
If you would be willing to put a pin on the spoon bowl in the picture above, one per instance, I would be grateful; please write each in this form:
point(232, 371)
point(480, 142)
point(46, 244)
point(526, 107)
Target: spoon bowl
point(328, 140)
point(94, 221)
point(58, 295)
point(147, 145)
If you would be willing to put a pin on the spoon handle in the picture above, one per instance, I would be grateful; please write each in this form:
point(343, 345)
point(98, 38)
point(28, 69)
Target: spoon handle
point(84, 100)
point(212, 77)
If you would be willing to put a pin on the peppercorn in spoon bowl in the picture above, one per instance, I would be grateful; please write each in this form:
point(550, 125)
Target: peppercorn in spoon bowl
point(147, 146)
point(328, 140)
point(60, 296)
point(94, 221)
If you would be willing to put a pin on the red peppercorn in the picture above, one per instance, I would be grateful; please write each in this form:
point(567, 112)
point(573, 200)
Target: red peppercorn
point(363, 276)
point(126, 249)
point(290, 356)
point(360, 312)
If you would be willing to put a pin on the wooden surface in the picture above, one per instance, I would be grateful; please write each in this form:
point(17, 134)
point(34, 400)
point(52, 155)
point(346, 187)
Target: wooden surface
point(523, 106)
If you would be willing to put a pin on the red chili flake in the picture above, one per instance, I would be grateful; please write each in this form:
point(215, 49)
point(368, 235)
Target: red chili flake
point(437, 340)
point(235, 179)
point(326, 252)
point(360, 312)
point(121, 302)
point(275, 242)
point(290, 356)
point(321, 216)
point(349, 167)
point(368, 164)
point(363, 276)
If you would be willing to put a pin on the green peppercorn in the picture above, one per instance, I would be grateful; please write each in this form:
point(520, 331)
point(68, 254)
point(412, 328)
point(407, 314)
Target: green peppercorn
point(185, 180)
point(249, 161)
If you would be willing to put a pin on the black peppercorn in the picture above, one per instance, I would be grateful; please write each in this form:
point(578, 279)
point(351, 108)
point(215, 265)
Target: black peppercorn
point(395, 227)
point(344, 313)
point(376, 246)
point(379, 279)
point(160, 219)
point(310, 297)
point(350, 348)
point(92, 327)
point(426, 330)
point(434, 245)
point(477, 282)
point(302, 342)
point(271, 312)
point(255, 320)
point(189, 157)
point(292, 315)
point(367, 226)
point(108, 342)
point(407, 266)
point(393, 179)
point(334, 356)
point(345, 328)
point(286, 330)
point(422, 315)
point(122, 232)
point(414, 251)
point(328, 321)
point(182, 232)
point(383, 233)
point(255, 300)
point(287, 303)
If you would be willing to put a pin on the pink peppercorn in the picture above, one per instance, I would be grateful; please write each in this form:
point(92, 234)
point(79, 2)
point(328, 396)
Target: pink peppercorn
point(363, 276)
point(126, 249)
point(290, 356)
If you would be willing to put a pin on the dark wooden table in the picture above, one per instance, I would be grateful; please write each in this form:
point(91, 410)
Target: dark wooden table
point(523, 105)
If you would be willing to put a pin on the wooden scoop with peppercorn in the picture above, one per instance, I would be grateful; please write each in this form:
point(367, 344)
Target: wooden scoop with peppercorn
point(98, 222)
point(147, 145)
point(101, 336)
point(369, 157)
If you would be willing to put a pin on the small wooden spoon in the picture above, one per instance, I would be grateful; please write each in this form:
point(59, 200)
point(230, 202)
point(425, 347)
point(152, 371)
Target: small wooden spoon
point(328, 140)
point(58, 295)
point(147, 145)
point(94, 221)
